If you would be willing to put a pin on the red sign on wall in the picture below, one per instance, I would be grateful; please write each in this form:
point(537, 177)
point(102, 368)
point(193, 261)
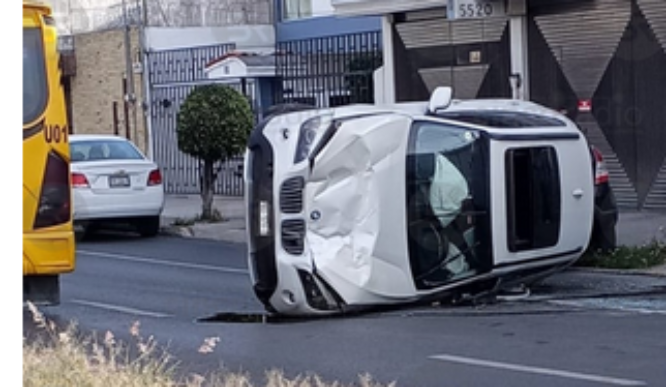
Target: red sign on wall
point(585, 105)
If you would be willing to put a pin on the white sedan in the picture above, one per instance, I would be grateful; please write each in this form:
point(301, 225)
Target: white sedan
point(363, 206)
point(114, 183)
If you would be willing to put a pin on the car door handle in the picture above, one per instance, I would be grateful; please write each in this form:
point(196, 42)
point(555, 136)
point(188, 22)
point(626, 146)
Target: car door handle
point(578, 193)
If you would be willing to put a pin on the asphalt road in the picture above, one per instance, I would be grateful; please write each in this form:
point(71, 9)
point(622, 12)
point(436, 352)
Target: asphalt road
point(561, 336)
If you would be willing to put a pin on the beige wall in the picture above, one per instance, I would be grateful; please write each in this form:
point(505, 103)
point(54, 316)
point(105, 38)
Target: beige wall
point(100, 63)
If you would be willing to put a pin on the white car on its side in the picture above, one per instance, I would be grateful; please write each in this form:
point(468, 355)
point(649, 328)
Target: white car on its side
point(113, 182)
point(363, 206)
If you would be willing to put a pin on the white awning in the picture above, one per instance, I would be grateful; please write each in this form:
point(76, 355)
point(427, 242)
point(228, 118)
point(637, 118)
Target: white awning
point(241, 67)
point(381, 7)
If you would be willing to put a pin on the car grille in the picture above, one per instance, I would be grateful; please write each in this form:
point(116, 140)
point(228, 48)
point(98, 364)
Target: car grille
point(291, 195)
point(293, 235)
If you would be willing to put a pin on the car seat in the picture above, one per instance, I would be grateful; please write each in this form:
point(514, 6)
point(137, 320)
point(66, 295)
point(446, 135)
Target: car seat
point(428, 243)
point(116, 152)
point(96, 153)
point(78, 156)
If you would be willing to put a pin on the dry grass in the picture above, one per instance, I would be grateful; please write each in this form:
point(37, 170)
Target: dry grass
point(63, 358)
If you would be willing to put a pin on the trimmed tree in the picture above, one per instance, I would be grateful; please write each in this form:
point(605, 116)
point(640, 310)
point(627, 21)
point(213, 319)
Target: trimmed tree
point(214, 123)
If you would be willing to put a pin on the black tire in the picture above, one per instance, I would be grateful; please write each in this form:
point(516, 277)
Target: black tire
point(43, 290)
point(604, 239)
point(149, 227)
point(84, 230)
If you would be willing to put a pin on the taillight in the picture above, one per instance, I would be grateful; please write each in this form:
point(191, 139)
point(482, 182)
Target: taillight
point(601, 173)
point(79, 180)
point(155, 177)
point(55, 197)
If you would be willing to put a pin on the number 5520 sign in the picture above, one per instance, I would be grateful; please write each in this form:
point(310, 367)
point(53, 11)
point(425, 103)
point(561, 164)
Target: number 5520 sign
point(475, 9)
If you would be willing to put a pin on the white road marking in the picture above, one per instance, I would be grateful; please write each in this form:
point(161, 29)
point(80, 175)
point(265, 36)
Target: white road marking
point(132, 258)
point(537, 370)
point(122, 309)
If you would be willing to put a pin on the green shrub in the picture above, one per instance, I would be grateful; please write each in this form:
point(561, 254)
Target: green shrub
point(628, 257)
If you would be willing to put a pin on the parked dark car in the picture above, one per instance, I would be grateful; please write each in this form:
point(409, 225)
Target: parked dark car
point(604, 234)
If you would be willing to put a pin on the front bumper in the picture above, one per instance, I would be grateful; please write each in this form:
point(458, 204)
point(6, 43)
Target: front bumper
point(48, 252)
point(284, 278)
point(90, 206)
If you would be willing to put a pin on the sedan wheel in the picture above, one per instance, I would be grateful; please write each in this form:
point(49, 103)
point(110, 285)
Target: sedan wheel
point(149, 226)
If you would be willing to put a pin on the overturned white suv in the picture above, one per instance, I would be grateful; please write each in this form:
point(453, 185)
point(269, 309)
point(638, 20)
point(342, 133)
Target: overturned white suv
point(363, 206)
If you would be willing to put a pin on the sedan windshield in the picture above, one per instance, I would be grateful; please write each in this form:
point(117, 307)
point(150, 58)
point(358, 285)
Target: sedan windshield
point(97, 150)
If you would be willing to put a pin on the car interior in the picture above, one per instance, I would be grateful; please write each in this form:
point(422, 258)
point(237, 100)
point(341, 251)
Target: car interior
point(432, 245)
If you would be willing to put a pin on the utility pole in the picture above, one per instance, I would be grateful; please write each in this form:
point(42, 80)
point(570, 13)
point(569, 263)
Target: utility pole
point(145, 93)
point(130, 96)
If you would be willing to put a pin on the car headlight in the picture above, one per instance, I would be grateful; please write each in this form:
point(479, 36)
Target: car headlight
point(308, 134)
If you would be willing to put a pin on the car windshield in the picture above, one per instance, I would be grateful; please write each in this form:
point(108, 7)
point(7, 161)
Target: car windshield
point(447, 206)
point(96, 150)
point(35, 90)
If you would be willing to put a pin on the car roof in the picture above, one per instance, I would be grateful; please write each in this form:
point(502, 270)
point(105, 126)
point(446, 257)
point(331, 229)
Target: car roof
point(492, 115)
point(96, 137)
point(476, 105)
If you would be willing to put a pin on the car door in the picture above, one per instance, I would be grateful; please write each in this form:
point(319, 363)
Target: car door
point(542, 197)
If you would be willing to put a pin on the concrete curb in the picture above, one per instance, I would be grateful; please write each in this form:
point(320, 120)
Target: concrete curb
point(178, 231)
point(231, 231)
point(657, 271)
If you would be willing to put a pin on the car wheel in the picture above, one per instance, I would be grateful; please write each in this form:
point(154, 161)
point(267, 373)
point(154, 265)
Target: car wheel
point(83, 230)
point(603, 239)
point(149, 226)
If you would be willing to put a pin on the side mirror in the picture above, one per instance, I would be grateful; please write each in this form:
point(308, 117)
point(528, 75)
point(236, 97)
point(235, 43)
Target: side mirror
point(440, 99)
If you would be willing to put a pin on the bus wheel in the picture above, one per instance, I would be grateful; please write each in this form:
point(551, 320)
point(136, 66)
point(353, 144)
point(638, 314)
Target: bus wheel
point(148, 226)
point(42, 289)
point(83, 230)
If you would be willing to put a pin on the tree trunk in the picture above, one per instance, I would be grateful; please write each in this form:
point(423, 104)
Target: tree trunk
point(207, 181)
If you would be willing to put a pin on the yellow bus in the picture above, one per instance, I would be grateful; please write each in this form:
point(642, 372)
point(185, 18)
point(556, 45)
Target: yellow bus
point(48, 234)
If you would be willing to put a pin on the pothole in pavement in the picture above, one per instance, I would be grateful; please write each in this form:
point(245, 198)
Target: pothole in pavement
point(250, 318)
point(242, 318)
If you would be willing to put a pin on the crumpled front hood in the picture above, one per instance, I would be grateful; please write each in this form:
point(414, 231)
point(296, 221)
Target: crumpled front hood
point(356, 232)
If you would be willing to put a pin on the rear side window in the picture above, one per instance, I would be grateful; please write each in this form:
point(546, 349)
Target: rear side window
point(35, 86)
point(96, 150)
point(533, 198)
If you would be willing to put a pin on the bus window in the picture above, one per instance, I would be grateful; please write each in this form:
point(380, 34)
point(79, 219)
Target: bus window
point(35, 87)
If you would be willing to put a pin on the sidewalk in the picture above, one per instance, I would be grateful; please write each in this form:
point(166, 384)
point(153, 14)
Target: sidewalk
point(634, 228)
point(183, 208)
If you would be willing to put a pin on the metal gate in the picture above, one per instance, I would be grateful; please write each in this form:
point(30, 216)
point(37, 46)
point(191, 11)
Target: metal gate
point(172, 75)
point(472, 56)
point(328, 71)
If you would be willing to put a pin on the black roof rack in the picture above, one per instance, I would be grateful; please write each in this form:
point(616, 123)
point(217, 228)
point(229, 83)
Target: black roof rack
point(507, 119)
